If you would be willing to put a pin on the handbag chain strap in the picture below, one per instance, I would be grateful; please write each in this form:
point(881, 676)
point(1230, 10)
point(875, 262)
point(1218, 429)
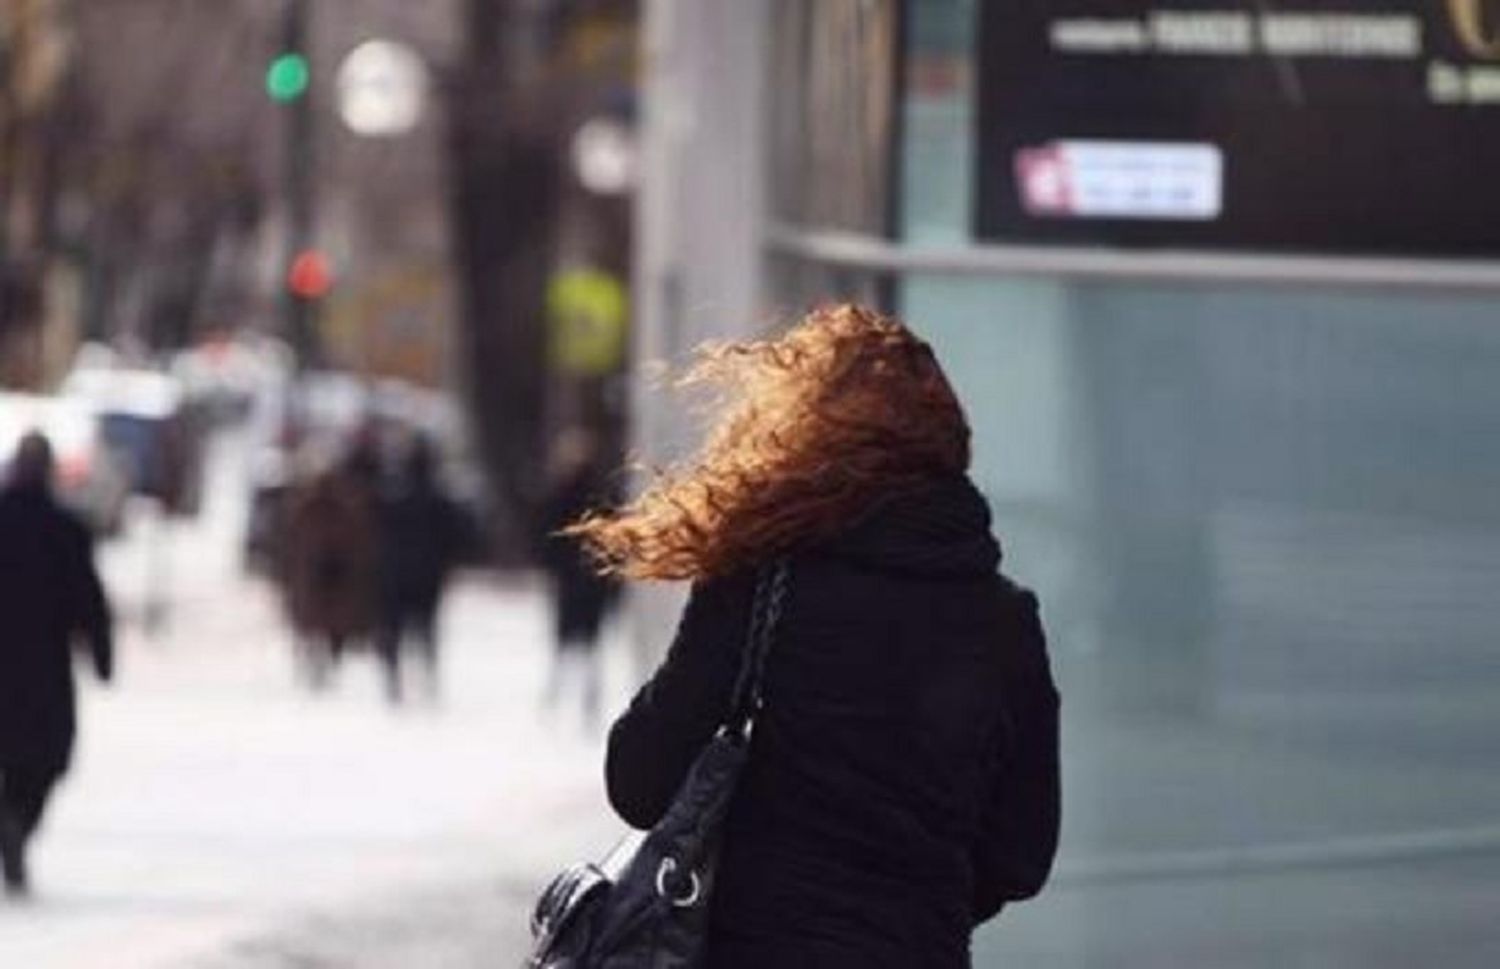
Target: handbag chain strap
point(765, 615)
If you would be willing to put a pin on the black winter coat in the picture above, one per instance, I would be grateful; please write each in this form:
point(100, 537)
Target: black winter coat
point(423, 539)
point(903, 779)
point(49, 592)
point(580, 595)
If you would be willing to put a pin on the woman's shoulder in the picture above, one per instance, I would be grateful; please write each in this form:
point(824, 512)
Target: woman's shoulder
point(725, 588)
point(716, 602)
point(1026, 638)
point(1020, 599)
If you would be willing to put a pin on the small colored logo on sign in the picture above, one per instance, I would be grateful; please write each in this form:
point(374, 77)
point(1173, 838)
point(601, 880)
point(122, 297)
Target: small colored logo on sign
point(1168, 181)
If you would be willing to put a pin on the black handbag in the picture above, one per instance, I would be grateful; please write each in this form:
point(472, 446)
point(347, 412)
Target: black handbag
point(655, 915)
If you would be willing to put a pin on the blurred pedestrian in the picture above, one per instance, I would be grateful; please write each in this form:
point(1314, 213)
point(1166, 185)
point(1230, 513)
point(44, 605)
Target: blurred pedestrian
point(49, 594)
point(902, 775)
point(424, 535)
point(331, 569)
point(579, 478)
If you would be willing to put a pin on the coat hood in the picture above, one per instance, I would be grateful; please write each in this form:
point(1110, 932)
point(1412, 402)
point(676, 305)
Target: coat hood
point(942, 529)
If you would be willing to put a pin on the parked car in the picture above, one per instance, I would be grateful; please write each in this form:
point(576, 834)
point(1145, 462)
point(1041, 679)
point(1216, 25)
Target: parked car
point(146, 421)
point(90, 477)
point(225, 376)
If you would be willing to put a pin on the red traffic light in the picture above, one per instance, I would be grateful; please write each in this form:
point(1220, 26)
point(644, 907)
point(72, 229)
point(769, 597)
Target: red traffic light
point(311, 275)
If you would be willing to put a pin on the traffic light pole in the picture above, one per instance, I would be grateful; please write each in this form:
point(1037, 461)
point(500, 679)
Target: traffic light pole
point(299, 184)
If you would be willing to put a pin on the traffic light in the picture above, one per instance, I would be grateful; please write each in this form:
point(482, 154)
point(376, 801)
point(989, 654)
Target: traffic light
point(310, 275)
point(288, 76)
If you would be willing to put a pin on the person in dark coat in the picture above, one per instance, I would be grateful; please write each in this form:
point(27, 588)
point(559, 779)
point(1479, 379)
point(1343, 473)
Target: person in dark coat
point(330, 569)
point(49, 593)
point(423, 534)
point(580, 595)
point(903, 779)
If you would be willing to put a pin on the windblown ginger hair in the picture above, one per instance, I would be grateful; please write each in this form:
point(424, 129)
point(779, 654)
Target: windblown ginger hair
point(809, 430)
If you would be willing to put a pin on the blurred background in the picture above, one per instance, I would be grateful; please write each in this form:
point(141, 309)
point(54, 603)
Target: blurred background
point(1217, 286)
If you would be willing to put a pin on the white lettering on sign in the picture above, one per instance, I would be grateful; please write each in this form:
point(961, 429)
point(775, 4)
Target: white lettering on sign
point(1445, 83)
point(1210, 33)
point(1484, 85)
point(1456, 84)
point(1179, 181)
point(1225, 33)
point(1097, 36)
point(1396, 36)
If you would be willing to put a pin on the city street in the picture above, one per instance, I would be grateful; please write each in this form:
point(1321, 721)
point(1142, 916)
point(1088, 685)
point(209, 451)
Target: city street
point(1193, 309)
point(220, 815)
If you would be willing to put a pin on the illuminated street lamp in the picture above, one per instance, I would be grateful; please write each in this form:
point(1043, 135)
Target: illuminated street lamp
point(382, 86)
point(604, 156)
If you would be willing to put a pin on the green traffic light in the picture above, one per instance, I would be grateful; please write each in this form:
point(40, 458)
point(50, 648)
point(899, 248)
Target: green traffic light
point(287, 77)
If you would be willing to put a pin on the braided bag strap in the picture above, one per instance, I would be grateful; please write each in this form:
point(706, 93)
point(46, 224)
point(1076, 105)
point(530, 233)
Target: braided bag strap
point(766, 609)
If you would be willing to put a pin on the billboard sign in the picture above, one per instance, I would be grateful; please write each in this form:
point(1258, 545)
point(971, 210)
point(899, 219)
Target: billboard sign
point(1329, 127)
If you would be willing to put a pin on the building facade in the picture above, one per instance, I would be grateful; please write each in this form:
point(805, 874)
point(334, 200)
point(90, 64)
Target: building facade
point(1258, 495)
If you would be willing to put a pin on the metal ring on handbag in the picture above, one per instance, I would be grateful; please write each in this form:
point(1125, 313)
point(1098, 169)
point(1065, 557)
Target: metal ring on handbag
point(664, 871)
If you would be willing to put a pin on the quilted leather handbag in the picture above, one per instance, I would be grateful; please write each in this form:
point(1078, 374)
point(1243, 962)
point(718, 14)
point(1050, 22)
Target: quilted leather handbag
point(655, 914)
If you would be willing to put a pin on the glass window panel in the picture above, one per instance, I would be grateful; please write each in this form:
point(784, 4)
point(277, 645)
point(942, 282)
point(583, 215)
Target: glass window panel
point(1265, 525)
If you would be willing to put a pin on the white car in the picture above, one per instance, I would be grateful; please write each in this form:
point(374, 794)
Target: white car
point(145, 420)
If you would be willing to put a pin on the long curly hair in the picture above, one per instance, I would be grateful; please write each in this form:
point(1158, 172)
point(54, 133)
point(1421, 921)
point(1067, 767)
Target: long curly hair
point(809, 430)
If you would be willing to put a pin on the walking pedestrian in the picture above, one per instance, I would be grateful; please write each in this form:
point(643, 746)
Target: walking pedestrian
point(49, 593)
point(331, 568)
point(580, 595)
point(423, 533)
point(902, 782)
